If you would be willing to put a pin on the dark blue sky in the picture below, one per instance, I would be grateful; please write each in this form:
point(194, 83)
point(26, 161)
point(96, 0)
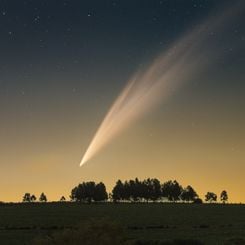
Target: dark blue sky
point(66, 37)
point(65, 34)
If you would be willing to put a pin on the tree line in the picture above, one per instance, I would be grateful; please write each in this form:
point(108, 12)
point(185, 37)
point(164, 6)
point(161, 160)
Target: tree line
point(147, 190)
point(153, 190)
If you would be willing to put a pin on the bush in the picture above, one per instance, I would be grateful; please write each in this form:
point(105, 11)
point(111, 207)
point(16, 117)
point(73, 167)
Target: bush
point(198, 201)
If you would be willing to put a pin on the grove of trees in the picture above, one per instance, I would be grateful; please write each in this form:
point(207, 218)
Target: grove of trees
point(32, 198)
point(29, 198)
point(147, 190)
point(88, 192)
point(152, 190)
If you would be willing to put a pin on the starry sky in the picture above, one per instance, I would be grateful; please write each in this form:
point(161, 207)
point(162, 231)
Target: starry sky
point(63, 63)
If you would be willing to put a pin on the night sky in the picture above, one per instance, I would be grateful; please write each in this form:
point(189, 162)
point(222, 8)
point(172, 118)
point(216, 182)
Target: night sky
point(62, 65)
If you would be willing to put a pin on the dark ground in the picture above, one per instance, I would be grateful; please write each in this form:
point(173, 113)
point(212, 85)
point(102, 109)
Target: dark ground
point(207, 223)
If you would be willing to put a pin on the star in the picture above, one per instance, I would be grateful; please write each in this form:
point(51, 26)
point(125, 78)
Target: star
point(37, 18)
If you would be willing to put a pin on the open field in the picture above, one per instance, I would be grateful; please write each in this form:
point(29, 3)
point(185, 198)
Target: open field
point(211, 224)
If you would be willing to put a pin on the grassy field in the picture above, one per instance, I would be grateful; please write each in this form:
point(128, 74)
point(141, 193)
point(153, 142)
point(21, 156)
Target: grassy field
point(211, 224)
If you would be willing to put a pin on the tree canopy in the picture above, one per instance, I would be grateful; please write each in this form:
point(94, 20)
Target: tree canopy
point(152, 190)
point(224, 196)
point(29, 198)
point(88, 192)
point(210, 197)
point(43, 197)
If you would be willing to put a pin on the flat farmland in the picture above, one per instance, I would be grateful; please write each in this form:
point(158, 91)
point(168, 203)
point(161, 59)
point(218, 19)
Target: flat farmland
point(162, 222)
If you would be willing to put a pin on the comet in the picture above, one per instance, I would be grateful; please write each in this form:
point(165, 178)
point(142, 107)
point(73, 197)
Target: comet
point(180, 63)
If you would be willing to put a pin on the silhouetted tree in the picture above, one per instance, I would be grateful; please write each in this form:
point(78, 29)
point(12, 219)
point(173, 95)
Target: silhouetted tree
point(27, 197)
point(152, 190)
point(88, 192)
point(153, 187)
point(74, 193)
point(157, 189)
point(43, 197)
point(136, 190)
point(172, 190)
point(117, 191)
point(132, 191)
point(126, 194)
point(62, 199)
point(33, 198)
point(224, 196)
point(83, 192)
point(210, 197)
point(100, 193)
point(142, 189)
point(188, 194)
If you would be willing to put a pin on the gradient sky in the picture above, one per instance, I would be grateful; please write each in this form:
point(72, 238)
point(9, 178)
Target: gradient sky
point(62, 65)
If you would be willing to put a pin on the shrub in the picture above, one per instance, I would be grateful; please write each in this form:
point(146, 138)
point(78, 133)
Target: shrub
point(198, 201)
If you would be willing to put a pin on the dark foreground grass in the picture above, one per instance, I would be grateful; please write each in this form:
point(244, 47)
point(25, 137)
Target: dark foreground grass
point(158, 223)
